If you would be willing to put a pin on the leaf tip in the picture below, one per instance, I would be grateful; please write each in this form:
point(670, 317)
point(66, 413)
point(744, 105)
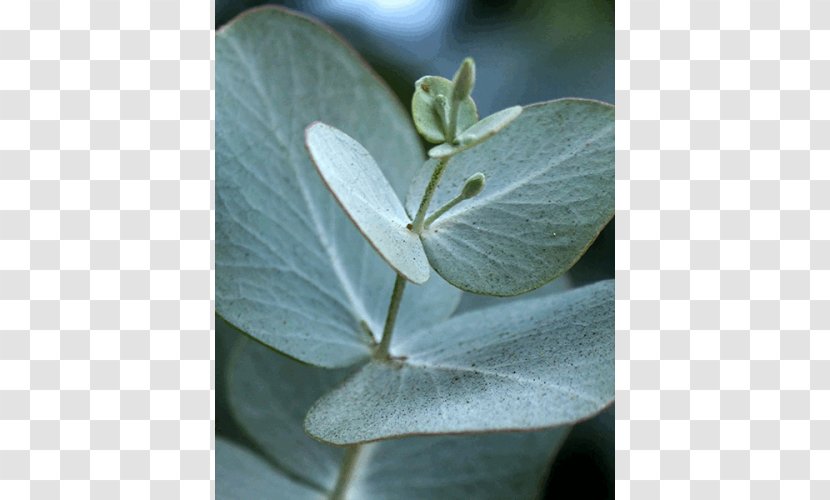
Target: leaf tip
point(441, 151)
point(313, 126)
point(464, 80)
point(310, 130)
point(419, 278)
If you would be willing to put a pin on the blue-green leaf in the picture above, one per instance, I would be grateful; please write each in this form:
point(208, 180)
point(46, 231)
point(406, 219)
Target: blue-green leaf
point(242, 475)
point(291, 269)
point(524, 365)
point(358, 184)
point(550, 191)
point(270, 394)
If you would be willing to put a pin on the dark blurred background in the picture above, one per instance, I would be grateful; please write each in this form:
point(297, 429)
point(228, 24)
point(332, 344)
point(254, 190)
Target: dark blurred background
point(525, 51)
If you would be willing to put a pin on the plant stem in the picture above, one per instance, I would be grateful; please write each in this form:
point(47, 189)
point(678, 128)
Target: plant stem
point(418, 223)
point(347, 468)
point(400, 281)
point(391, 316)
point(441, 211)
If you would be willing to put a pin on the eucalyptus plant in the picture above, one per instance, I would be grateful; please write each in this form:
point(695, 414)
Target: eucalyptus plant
point(339, 246)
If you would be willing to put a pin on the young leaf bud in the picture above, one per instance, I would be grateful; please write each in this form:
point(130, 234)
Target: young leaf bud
point(464, 80)
point(436, 115)
point(473, 186)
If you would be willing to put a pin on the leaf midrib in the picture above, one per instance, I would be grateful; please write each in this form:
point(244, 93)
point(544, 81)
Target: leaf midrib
point(491, 373)
point(359, 311)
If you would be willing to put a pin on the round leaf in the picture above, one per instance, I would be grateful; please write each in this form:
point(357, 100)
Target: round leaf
point(358, 184)
point(527, 364)
point(291, 269)
point(269, 396)
point(550, 191)
point(270, 393)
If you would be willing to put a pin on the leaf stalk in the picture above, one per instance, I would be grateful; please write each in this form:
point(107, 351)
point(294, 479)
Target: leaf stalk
point(473, 186)
point(441, 211)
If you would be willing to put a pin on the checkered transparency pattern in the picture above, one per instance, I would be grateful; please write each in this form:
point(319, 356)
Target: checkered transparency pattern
point(106, 249)
point(723, 252)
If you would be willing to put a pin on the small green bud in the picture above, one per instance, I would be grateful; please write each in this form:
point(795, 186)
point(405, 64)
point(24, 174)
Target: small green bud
point(473, 186)
point(464, 80)
point(436, 115)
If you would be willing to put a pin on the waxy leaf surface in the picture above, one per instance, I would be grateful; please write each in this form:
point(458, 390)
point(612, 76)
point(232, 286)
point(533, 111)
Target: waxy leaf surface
point(354, 178)
point(528, 364)
point(270, 393)
point(291, 269)
point(550, 191)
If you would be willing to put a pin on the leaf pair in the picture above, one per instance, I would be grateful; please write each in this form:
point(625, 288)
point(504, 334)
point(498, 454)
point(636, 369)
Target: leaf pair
point(549, 194)
point(439, 107)
point(269, 397)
